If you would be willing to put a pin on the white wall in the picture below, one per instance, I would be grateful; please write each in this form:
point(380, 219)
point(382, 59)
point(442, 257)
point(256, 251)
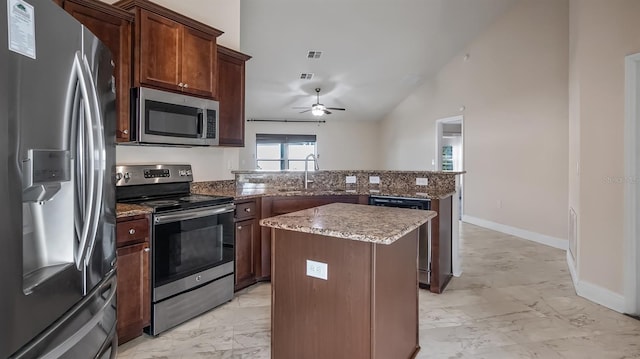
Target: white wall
point(208, 163)
point(341, 145)
point(514, 87)
point(602, 34)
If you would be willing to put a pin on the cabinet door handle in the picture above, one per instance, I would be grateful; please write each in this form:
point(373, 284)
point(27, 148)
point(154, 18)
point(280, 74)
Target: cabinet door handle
point(126, 132)
point(132, 231)
point(239, 228)
point(181, 84)
point(186, 86)
point(147, 249)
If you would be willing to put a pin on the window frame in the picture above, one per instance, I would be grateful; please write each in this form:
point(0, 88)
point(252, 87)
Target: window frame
point(284, 141)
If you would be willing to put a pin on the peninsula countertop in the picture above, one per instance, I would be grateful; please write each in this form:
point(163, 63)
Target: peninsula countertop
point(380, 225)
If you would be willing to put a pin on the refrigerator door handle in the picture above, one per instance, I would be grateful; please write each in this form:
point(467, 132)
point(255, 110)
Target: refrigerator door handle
point(87, 195)
point(98, 158)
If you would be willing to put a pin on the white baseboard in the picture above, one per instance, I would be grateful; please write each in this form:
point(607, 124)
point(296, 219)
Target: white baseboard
point(518, 232)
point(595, 293)
point(572, 270)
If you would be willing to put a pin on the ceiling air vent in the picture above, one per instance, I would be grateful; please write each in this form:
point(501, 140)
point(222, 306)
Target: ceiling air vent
point(306, 76)
point(314, 54)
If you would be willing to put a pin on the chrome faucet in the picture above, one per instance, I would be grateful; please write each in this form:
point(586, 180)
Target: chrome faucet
point(306, 169)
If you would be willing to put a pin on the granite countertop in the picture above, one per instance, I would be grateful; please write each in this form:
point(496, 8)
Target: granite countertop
point(380, 225)
point(255, 192)
point(127, 210)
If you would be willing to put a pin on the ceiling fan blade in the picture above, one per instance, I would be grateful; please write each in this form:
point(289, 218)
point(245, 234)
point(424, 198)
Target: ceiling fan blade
point(327, 112)
point(300, 108)
point(336, 108)
point(307, 110)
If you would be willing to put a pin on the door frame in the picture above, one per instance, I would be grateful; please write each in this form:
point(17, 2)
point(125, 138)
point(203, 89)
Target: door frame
point(632, 185)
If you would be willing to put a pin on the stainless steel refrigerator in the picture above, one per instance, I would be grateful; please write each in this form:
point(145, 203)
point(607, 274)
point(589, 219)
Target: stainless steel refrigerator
point(57, 194)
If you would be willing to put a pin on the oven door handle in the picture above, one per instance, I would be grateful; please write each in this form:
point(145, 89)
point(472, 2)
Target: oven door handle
point(193, 214)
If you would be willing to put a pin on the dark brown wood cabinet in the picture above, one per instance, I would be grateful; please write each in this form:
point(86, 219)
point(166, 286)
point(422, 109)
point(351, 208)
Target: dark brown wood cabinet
point(171, 51)
point(113, 27)
point(441, 244)
point(231, 87)
point(273, 206)
point(134, 282)
point(247, 244)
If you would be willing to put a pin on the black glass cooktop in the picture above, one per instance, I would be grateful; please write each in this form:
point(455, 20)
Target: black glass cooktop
point(182, 201)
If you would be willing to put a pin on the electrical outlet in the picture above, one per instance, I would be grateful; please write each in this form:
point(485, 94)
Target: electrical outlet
point(374, 179)
point(317, 269)
point(350, 179)
point(422, 181)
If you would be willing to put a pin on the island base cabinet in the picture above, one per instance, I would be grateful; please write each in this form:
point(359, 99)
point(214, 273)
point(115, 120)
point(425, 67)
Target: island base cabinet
point(366, 308)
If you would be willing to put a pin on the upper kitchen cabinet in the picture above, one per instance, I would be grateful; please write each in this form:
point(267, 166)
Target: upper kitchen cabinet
point(171, 51)
point(113, 27)
point(231, 96)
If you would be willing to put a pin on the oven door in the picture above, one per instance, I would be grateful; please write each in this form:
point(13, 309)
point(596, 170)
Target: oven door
point(191, 248)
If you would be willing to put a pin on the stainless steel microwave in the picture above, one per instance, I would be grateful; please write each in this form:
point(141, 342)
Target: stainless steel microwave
point(161, 117)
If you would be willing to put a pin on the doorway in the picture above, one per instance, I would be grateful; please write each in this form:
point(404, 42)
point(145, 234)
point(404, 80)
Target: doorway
point(449, 156)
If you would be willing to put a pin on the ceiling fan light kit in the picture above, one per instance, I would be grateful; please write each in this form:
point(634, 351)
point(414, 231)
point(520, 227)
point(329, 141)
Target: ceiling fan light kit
point(318, 109)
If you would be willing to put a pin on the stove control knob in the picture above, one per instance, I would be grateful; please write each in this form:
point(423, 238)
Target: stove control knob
point(127, 176)
point(182, 173)
point(189, 173)
point(118, 176)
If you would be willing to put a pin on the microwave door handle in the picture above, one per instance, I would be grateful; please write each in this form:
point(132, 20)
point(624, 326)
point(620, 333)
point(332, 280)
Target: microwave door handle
point(200, 122)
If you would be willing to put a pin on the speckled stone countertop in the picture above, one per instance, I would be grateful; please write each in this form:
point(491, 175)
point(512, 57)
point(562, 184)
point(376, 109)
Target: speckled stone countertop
point(249, 192)
point(127, 210)
point(380, 225)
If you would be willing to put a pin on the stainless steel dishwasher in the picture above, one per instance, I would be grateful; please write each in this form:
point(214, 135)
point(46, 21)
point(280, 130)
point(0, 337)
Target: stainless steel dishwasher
point(424, 239)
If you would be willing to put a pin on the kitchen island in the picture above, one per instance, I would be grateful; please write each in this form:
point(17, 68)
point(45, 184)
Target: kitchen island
point(345, 282)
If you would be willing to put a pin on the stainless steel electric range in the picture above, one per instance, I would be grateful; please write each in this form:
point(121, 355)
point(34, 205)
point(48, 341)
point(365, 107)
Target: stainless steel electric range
point(192, 242)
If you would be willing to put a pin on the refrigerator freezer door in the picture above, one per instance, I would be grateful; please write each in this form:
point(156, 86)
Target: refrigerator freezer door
point(85, 331)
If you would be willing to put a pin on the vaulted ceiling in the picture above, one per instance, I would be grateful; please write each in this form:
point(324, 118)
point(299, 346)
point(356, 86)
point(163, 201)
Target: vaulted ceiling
point(374, 52)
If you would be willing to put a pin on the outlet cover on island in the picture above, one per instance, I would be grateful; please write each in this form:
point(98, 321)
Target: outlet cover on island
point(350, 179)
point(317, 269)
point(374, 179)
point(422, 181)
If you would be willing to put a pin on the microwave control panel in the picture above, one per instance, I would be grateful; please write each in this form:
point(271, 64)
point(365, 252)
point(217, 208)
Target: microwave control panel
point(211, 124)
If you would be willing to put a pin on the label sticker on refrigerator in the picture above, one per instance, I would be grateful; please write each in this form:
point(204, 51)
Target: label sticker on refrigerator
point(22, 28)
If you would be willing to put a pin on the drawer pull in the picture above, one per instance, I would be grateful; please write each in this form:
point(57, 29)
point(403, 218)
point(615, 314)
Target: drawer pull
point(132, 231)
point(247, 209)
point(239, 228)
point(198, 278)
point(147, 249)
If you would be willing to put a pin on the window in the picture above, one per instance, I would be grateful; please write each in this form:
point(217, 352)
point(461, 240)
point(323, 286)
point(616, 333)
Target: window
point(276, 152)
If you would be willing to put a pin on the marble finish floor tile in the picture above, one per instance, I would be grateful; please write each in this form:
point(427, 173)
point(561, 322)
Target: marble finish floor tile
point(514, 300)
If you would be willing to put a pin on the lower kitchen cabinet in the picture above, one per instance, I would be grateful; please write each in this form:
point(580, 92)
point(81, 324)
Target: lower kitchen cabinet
point(134, 283)
point(247, 244)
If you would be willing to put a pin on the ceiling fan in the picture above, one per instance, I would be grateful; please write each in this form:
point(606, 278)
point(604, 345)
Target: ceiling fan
point(318, 109)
